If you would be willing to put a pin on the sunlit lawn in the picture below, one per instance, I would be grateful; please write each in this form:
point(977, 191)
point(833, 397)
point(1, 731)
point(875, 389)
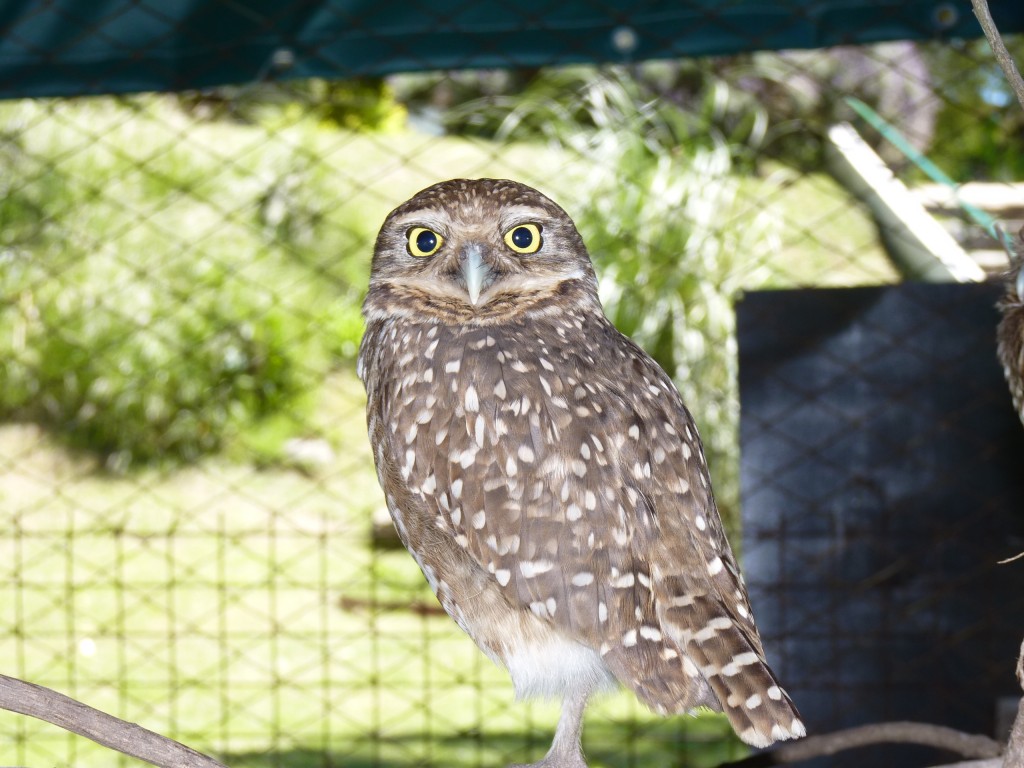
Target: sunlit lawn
point(207, 603)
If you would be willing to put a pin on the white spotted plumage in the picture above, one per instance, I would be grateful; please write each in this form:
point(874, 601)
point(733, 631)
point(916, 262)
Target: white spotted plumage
point(545, 470)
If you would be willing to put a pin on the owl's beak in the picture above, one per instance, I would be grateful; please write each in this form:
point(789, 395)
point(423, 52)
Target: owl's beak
point(475, 271)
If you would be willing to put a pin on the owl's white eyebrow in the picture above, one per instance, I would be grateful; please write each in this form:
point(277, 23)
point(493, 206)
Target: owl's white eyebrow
point(420, 219)
point(519, 214)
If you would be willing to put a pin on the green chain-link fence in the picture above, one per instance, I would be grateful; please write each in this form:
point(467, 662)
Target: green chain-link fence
point(191, 533)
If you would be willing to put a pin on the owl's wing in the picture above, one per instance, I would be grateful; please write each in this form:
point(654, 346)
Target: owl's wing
point(701, 598)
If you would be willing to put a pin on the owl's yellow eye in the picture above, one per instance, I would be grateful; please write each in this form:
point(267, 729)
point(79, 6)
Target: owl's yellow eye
point(424, 242)
point(524, 238)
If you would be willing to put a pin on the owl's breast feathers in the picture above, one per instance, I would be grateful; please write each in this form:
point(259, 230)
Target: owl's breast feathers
point(560, 458)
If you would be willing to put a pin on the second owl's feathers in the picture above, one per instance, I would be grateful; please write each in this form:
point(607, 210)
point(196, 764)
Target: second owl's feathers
point(547, 476)
point(1010, 334)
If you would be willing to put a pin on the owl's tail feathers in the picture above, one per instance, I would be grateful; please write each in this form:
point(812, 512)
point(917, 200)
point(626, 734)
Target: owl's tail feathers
point(730, 658)
point(759, 710)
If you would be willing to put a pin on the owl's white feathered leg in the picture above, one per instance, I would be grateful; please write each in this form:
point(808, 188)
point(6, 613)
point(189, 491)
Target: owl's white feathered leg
point(565, 749)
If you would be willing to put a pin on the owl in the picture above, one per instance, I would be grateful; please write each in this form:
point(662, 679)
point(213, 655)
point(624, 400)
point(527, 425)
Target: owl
point(1010, 333)
point(544, 472)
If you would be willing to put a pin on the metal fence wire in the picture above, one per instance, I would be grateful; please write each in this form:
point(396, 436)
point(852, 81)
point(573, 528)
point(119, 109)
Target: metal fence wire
point(191, 532)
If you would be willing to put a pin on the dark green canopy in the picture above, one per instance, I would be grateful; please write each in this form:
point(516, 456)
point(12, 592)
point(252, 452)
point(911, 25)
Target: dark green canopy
point(68, 47)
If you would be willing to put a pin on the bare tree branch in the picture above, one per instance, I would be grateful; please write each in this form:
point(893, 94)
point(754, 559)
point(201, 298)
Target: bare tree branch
point(995, 40)
point(71, 715)
point(924, 734)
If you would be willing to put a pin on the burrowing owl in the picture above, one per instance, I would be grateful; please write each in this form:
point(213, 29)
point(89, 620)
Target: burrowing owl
point(1010, 335)
point(544, 472)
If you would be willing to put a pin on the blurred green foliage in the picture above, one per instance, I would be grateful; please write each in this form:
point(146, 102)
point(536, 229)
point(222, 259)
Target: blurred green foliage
point(143, 364)
point(979, 134)
point(696, 107)
point(190, 302)
point(361, 104)
point(949, 98)
point(180, 270)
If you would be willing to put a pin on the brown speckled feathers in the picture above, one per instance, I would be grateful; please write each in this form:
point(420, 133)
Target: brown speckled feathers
point(543, 469)
point(1010, 334)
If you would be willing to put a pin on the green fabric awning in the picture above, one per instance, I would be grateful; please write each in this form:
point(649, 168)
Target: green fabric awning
point(71, 47)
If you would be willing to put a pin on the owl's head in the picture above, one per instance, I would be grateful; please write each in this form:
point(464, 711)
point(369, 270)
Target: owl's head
point(478, 251)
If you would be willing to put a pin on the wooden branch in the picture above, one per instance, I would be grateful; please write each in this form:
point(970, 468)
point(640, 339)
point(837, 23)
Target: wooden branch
point(988, 26)
point(71, 715)
point(923, 734)
point(418, 607)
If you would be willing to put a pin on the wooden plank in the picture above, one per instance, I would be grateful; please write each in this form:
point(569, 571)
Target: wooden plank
point(1003, 200)
point(919, 245)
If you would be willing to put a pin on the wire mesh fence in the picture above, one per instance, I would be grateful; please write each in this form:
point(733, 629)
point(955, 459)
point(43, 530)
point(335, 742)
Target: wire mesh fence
point(191, 533)
point(882, 598)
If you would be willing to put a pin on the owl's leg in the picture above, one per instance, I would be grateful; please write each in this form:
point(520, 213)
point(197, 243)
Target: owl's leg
point(565, 750)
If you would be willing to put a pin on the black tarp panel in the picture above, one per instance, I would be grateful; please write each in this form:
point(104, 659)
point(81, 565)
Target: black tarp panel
point(882, 474)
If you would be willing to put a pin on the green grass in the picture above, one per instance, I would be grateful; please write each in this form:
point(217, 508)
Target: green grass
point(205, 603)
